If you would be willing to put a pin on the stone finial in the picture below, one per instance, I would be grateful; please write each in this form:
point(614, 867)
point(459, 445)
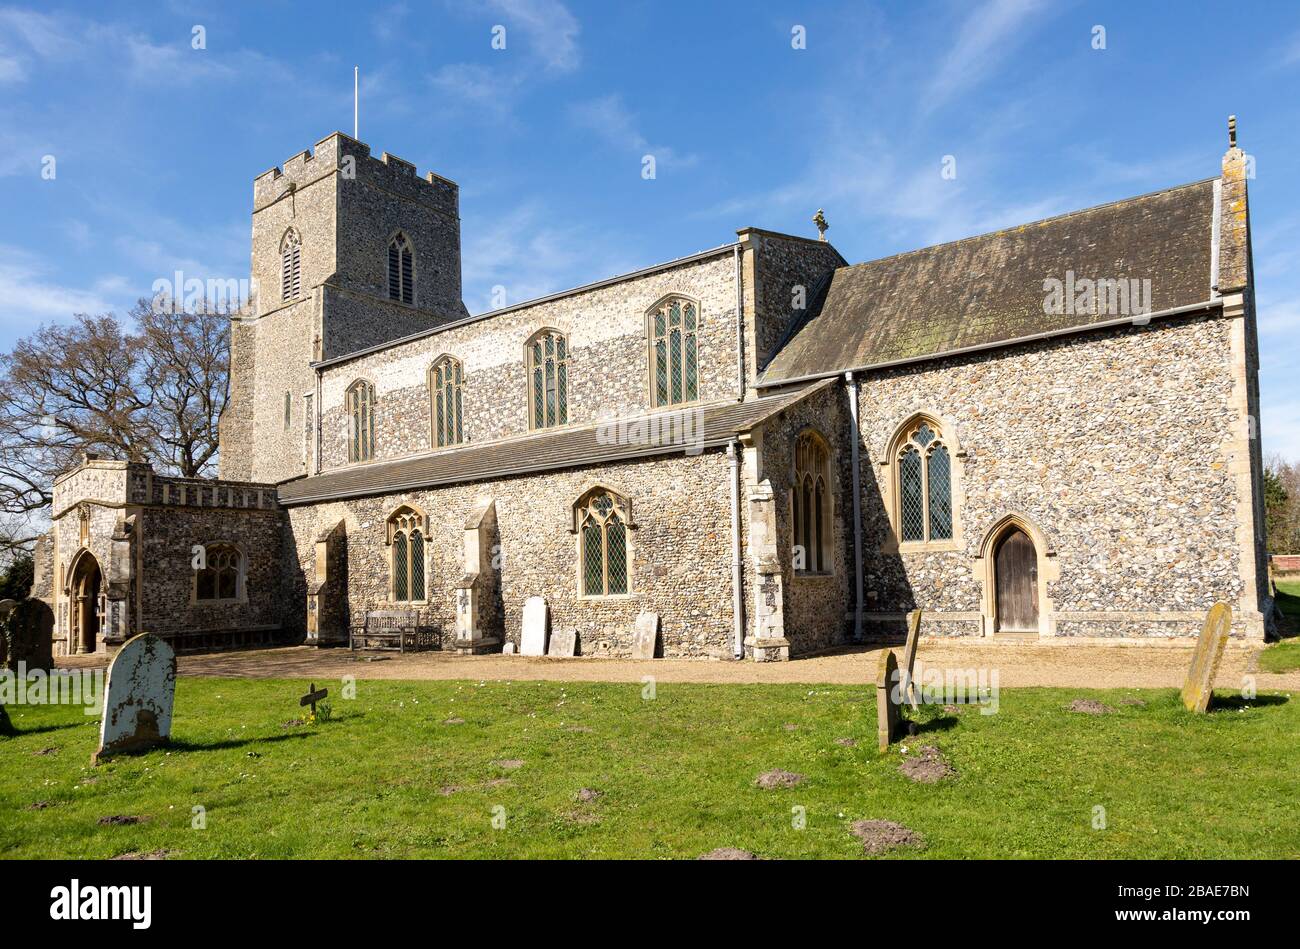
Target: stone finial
point(1232, 131)
point(820, 220)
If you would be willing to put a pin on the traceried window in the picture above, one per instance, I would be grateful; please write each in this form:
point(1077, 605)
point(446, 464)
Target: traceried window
point(445, 379)
point(924, 485)
point(406, 538)
point(361, 421)
point(601, 518)
point(401, 270)
point(290, 266)
point(812, 504)
point(674, 353)
point(221, 577)
point(548, 379)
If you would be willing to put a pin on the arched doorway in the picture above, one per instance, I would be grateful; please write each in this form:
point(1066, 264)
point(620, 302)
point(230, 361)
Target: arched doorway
point(83, 592)
point(1015, 582)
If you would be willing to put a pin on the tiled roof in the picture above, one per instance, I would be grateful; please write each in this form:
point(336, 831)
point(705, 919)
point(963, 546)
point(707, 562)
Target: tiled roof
point(989, 289)
point(709, 426)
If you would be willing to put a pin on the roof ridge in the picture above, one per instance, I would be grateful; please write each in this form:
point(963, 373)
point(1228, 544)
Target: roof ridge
point(1045, 220)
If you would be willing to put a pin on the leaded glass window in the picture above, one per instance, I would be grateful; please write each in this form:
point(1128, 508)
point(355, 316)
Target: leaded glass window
point(445, 380)
point(811, 507)
point(406, 537)
point(602, 530)
point(548, 379)
point(290, 266)
point(674, 353)
point(361, 421)
point(924, 486)
point(401, 270)
point(220, 576)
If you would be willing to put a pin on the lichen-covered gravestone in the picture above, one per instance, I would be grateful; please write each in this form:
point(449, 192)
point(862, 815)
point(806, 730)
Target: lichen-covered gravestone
point(1199, 687)
point(644, 635)
point(532, 642)
point(887, 699)
point(909, 658)
point(564, 643)
point(138, 698)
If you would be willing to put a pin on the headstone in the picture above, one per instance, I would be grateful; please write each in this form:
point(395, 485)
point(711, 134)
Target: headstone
point(31, 635)
point(886, 699)
point(138, 698)
point(645, 635)
point(564, 642)
point(508, 649)
point(909, 658)
point(1199, 687)
point(533, 640)
point(313, 696)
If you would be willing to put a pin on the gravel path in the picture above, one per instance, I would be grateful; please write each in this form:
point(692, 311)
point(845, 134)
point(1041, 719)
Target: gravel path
point(1077, 665)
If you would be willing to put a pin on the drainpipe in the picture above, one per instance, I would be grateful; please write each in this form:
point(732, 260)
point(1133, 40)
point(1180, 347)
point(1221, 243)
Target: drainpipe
point(740, 329)
point(855, 433)
point(315, 421)
point(737, 572)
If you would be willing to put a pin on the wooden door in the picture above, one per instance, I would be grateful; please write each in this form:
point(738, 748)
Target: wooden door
point(1015, 566)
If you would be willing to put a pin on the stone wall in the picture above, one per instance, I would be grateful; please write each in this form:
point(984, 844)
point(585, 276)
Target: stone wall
point(680, 552)
point(1116, 446)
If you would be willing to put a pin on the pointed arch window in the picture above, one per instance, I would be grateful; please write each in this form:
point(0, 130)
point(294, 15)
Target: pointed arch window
point(221, 578)
point(406, 533)
point(674, 353)
point(290, 266)
point(602, 518)
point(812, 504)
point(445, 383)
point(548, 379)
point(361, 421)
point(924, 478)
point(401, 270)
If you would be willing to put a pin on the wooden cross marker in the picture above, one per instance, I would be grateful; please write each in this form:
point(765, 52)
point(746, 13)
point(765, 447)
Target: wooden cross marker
point(312, 697)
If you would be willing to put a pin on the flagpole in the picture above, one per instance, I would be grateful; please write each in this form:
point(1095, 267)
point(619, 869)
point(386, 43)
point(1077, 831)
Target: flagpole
point(356, 97)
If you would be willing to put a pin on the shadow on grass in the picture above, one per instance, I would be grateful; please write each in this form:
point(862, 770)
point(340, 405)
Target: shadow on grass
point(41, 729)
point(1235, 703)
point(186, 745)
point(941, 724)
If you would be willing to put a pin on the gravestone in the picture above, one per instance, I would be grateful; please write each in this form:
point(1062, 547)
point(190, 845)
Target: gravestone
point(910, 691)
point(533, 640)
point(508, 649)
point(313, 696)
point(564, 642)
point(1199, 687)
point(886, 699)
point(30, 628)
point(138, 697)
point(645, 635)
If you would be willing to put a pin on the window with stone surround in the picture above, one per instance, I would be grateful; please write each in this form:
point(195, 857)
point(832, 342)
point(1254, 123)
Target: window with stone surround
point(922, 478)
point(361, 421)
point(446, 401)
point(674, 352)
point(406, 533)
point(811, 504)
point(290, 266)
point(401, 269)
point(221, 578)
point(601, 520)
point(547, 357)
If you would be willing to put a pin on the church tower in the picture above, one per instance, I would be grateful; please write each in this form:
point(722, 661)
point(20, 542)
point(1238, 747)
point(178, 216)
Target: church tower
point(349, 252)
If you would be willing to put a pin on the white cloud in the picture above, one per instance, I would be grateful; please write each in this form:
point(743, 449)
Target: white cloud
point(550, 30)
point(609, 118)
point(28, 297)
point(984, 38)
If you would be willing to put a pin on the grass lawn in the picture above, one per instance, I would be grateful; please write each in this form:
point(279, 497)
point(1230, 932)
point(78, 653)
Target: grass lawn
point(387, 776)
point(1285, 656)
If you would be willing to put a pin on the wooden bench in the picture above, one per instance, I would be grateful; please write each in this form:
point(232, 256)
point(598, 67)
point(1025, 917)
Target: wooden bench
point(387, 629)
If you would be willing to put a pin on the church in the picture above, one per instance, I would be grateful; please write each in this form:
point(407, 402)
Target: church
point(1046, 432)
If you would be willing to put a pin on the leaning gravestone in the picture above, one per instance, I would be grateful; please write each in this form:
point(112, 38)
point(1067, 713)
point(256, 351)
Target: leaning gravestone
point(909, 658)
point(887, 699)
point(30, 629)
point(138, 698)
point(1199, 687)
point(564, 642)
point(644, 636)
point(533, 640)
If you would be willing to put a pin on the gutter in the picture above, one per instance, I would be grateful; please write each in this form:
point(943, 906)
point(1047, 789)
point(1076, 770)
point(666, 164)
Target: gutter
point(737, 566)
point(1138, 320)
point(855, 433)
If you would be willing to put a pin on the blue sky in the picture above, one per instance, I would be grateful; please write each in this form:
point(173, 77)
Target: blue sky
point(156, 143)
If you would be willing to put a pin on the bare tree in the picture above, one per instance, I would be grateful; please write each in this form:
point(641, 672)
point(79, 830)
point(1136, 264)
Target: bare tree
point(152, 393)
